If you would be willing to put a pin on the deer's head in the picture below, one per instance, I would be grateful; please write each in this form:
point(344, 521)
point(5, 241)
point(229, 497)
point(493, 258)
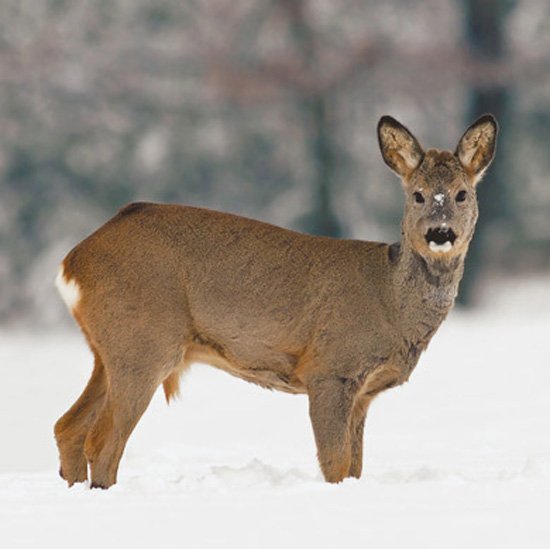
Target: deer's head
point(440, 186)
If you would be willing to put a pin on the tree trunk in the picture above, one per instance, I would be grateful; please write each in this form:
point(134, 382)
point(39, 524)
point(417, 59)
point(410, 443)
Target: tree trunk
point(484, 21)
point(313, 106)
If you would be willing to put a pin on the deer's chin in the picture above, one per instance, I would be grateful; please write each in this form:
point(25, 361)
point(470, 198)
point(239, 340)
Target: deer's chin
point(439, 245)
point(440, 253)
point(440, 248)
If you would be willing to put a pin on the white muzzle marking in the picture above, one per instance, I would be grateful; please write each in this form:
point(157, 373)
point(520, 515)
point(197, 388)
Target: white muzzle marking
point(440, 248)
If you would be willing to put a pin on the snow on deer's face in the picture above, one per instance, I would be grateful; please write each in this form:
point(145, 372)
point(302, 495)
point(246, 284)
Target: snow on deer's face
point(441, 206)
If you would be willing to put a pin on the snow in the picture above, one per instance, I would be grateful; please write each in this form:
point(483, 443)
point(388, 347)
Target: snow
point(460, 456)
point(439, 198)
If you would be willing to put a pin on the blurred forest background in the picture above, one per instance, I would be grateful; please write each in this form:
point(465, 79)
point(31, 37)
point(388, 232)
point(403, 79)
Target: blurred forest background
point(266, 108)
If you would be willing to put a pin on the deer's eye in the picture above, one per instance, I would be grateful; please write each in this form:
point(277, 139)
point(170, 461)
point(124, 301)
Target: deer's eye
point(461, 196)
point(418, 198)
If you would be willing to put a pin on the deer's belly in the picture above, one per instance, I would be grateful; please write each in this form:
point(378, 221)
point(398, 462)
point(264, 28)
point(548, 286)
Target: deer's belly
point(275, 370)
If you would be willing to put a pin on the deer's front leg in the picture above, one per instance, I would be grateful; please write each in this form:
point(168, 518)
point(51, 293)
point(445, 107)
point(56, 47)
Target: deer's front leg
point(330, 410)
point(357, 426)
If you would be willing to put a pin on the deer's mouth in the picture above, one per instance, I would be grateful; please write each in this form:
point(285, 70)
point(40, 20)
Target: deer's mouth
point(440, 239)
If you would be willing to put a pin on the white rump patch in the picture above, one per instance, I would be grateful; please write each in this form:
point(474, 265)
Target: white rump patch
point(69, 289)
point(443, 248)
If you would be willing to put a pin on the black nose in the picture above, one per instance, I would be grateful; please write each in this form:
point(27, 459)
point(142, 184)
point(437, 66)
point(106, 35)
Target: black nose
point(440, 235)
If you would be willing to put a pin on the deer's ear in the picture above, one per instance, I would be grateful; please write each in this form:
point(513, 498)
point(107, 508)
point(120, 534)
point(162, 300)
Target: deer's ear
point(400, 149)
point(476, 147)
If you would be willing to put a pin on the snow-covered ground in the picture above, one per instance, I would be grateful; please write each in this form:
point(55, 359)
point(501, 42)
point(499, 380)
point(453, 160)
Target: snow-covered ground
point(459, 457)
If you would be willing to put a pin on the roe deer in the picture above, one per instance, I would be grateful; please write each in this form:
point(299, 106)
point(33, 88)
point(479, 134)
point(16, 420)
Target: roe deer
point(161, 286)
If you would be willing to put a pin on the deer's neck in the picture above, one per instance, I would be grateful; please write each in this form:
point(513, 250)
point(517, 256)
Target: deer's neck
point(424, 291)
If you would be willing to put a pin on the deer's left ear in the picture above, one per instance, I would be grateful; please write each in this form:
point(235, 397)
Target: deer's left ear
point(476, 147)
point(400, 149)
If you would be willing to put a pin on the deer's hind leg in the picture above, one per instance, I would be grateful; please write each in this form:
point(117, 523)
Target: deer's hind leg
point(72, 428)
point(133, 378)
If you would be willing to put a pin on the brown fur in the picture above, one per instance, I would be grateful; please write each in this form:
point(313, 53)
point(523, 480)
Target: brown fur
point(162, 286)
point(171, 386)
point(71, 430)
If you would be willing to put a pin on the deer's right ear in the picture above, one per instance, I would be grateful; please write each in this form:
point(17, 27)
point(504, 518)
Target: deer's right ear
point(400, 149)
point(476, 147)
